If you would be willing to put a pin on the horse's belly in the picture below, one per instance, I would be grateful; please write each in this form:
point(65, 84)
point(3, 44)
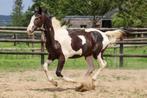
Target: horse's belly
point(65, 41)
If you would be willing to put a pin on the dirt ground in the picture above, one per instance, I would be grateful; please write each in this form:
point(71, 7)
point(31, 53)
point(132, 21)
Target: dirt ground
point(110, 84)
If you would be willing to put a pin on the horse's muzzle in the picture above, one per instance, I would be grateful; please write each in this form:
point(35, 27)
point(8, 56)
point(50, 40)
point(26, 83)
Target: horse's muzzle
point(30, 32)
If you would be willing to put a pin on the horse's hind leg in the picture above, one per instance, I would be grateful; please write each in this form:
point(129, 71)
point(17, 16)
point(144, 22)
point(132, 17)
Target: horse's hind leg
point(89, 60)
point(45, 68)
point(87, 83)
point(102, 63)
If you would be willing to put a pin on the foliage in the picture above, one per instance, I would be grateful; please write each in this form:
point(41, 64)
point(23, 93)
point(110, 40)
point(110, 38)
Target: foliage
point(26, 17)
point(87, 7)
point(118, 21)
point(17, 13)
point(132, 13)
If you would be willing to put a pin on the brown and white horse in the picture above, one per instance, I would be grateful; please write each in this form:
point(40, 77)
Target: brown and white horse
point(62, 43)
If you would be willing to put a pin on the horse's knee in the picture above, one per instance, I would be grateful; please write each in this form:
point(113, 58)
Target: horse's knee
point(105, 63)
point(58, 73)
point(45, 65)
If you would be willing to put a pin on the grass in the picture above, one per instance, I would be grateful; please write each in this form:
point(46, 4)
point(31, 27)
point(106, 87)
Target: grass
point(129, 63)
point(29, 62)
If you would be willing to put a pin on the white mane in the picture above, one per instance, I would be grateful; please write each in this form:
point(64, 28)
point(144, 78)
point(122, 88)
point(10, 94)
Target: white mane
point(57, 24)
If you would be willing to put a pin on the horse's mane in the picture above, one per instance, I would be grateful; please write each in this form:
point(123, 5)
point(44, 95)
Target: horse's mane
point(57, 24)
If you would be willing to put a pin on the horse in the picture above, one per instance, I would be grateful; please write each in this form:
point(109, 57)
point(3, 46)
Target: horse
point(63, 43)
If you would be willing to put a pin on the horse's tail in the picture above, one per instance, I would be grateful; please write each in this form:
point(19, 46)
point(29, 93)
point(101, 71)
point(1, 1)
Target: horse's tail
point(113, 36)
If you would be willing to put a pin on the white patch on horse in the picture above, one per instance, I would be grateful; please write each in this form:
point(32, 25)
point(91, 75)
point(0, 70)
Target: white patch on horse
point(83, 39)
point(105, 41)
point(62, 36)
point(31, 23)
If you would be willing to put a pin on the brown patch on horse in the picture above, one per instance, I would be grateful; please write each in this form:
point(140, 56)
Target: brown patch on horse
point(76, 42)
point(86, 85)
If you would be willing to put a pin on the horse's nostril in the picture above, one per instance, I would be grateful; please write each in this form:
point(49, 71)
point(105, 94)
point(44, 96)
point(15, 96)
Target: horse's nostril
point(30, 31)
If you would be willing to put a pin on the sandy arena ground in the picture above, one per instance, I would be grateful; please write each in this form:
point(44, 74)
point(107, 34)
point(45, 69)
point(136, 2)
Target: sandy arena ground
point(110, 84)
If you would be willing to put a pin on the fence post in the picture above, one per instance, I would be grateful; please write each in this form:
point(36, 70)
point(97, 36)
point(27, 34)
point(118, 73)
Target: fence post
point(121, 59)
point(42, 48)
point(115, 58)
point(33, 38)
point(15, 37)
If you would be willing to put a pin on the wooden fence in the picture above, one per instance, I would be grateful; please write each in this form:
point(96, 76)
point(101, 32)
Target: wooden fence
point(139, 37)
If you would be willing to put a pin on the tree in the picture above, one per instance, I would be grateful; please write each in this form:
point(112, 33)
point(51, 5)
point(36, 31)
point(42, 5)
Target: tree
point(26, 17)
point(131, 13)
point(17, 13)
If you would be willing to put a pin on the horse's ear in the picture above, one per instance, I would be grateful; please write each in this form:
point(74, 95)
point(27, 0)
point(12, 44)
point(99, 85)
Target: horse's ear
point(39, 10)
point(36, 10)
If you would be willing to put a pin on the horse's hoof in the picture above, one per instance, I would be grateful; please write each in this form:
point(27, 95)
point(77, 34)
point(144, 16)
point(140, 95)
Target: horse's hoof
point(86, 85)
point(80, 88)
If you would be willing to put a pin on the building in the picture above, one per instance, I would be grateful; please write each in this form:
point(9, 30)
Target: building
point(80, 21)
point(87, 21)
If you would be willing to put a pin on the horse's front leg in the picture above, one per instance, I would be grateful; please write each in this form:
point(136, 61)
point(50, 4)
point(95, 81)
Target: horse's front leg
point(61, 62)
point(45, 68)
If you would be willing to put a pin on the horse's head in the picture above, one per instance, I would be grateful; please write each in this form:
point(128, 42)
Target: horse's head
point(36, 21)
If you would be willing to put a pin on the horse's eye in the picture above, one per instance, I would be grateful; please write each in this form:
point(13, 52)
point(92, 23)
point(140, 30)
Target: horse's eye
point(37, 19)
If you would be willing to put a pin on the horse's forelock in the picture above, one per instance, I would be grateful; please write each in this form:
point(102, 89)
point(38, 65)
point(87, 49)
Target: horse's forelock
point(39, 10)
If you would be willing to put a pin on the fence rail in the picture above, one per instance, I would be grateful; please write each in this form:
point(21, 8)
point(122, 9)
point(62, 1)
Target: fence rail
point(21, 40)
point(22, 30)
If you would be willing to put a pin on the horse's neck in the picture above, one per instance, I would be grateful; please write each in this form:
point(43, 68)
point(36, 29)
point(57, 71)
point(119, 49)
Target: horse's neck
point(49, 32)
point(51, 27)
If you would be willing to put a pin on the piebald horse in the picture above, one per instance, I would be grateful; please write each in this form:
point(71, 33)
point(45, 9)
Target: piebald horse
point(62, 43)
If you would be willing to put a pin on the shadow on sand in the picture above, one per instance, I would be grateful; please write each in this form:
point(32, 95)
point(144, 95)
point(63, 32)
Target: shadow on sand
point(56, 89)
